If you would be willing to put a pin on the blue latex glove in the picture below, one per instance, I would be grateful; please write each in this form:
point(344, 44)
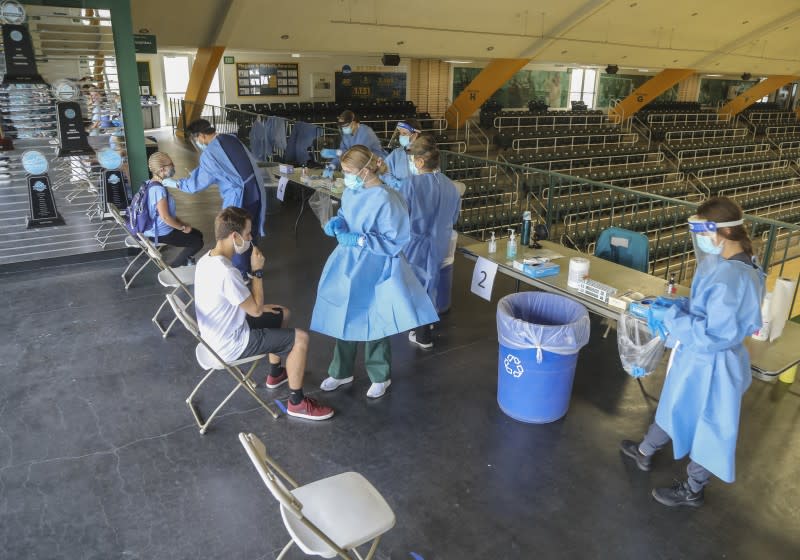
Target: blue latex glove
point(330, 153)
point(335, 226)
point(172, 183)
point(328, 173)
point(348, 239)
point(655, 319)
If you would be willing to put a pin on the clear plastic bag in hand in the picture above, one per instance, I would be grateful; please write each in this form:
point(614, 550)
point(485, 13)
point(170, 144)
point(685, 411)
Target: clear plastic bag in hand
point(322, 206)
point(639, 351)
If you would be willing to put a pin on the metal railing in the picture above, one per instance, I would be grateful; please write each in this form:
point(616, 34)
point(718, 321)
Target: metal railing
point(555, 120)
point(576, 210)
point(583, 140)
point(474, 133)
point(763, 117)
point(705, 136)
point(686, 119)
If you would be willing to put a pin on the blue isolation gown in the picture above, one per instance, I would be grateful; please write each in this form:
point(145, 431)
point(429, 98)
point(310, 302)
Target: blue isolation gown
point(236, 190)
point(702, 395)
point(371, 292)
point(397, 162)
point(364, 136)
point(433, 204)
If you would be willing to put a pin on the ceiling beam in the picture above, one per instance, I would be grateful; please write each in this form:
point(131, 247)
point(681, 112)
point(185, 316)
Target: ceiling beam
point(564, 26)
point(730, 48)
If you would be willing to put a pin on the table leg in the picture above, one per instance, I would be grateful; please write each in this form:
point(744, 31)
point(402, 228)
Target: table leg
point(303, 200)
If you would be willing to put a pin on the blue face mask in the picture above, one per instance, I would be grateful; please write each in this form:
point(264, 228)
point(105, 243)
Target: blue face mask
point(405, 140)
point(347, 130)
point(198, 145)
point(353, 182)
point(411, 167)
point(706, 245)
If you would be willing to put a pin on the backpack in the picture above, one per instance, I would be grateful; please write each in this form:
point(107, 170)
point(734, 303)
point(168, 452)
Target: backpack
point(139, 218)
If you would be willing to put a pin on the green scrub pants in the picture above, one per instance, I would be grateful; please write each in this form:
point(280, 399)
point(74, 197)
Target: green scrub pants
point(377, 359)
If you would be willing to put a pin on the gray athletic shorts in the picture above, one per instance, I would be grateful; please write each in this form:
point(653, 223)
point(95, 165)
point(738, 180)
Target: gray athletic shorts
point(266, 336)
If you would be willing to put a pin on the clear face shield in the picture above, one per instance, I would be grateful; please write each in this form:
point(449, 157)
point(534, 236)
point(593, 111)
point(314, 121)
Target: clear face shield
point(402, 135)
point(705, 239)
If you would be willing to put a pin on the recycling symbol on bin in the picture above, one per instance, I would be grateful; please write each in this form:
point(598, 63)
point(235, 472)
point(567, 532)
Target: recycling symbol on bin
point(513, 366)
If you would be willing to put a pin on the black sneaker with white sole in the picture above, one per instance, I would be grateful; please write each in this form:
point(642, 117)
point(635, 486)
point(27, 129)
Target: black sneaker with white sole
point(631, 449)
point(679, 494)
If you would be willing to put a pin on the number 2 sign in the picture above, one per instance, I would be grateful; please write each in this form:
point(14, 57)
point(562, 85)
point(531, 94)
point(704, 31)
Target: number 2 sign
point(483, 278)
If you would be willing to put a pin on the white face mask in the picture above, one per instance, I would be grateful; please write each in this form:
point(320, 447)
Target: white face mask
point(240, 249)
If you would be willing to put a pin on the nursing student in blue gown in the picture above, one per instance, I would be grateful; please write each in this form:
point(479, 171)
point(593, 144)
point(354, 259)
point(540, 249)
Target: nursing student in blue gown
point(709, 369)
point(368, 291)
point(353, 134)
point(407, 131)
point(433, 204)
point(226, 162)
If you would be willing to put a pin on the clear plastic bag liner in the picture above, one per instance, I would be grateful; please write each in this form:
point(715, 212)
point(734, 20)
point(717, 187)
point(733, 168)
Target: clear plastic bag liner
point(639, 351)
point(322, 206)
point(543, 321)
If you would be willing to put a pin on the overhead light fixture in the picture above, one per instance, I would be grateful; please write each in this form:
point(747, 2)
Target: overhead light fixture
point(612, 69)
point(458, 61)
point(295, 55)
point(713, 75)
point(644, 70)
point(144, 30)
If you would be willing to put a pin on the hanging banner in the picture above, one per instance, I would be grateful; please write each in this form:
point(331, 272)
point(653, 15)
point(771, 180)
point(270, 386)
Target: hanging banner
point(114, 190)
point(18, 53)
point(74, 141)
point(43, 211)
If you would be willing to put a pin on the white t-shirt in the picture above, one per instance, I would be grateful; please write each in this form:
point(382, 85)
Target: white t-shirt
point(218, 292)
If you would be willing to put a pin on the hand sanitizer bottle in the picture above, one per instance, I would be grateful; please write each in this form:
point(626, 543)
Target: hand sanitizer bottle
point(511, 248)
point(492, 244)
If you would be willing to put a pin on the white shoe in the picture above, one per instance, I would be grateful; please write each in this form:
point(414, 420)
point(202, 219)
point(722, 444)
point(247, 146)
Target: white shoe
point(378, 389)
point(331, 384)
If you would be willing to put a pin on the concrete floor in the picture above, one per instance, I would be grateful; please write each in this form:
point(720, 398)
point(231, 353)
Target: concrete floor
point(100, 458)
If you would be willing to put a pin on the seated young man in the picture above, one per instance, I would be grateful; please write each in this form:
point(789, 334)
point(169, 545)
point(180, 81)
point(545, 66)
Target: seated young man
point(236, 323)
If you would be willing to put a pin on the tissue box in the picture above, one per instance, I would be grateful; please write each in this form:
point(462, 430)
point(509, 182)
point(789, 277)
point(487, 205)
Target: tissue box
point(538, 270)
point(286, 169)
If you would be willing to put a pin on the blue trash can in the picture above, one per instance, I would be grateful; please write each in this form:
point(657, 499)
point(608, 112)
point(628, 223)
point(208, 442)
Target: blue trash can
point(540, 335)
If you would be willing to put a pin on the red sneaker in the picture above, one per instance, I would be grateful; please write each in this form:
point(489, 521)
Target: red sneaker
point(309, 409)
point(274, 381)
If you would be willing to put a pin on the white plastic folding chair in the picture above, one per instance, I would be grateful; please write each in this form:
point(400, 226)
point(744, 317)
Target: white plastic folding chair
point(210, 361)
point(179, 279)
point(328, 518)
point(130, 243)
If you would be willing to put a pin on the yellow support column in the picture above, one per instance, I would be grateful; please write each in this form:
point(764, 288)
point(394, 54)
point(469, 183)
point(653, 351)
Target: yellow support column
point(205, 64)
point(765, 87)
point(649, 90)
point(491, 78)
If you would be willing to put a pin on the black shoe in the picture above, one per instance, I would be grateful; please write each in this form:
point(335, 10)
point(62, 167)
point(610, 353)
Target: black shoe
point(631, 449)
point(679, 495)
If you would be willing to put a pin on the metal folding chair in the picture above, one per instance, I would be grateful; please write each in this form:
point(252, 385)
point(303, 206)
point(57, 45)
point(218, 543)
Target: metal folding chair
point(210, 361)
point(176, 278)
point(330, 517)
point(130, 243)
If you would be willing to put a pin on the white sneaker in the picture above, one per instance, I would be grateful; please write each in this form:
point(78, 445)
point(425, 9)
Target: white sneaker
point(378, 389)
point(331, 384)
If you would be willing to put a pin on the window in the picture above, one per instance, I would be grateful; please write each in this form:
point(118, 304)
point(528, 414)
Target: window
point(177, 69)
point(176, 75)
point(582, 85)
